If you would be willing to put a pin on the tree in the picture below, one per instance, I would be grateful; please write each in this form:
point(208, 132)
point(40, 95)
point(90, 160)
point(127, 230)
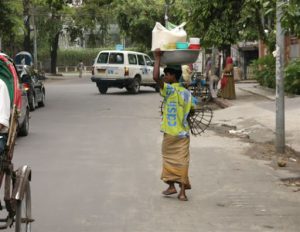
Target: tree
point(136, 19)
point(291, 17)
point(27, 16)
point(94, 16)
point(216, 22)
point(53, 16)
point(10, 24)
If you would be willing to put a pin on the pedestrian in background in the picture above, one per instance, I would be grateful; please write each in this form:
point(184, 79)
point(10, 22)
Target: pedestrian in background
point(227, 81)
point(176, 140)
point(80, 68)
point(187, 71)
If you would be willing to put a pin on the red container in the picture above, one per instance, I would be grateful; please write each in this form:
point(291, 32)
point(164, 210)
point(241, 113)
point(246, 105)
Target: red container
point(195, 46)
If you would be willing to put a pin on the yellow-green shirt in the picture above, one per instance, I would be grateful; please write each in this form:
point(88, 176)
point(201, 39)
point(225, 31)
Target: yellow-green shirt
point(177, 105)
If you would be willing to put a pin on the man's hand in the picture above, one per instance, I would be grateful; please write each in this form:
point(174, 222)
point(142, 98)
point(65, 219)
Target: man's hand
point(157, 53)
point(156, 75)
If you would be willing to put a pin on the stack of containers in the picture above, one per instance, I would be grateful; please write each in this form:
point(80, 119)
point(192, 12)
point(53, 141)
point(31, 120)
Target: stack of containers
point(194, 43)
point(173, 43)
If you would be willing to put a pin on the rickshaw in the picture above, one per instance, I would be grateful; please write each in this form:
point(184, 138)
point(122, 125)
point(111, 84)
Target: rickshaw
point(14, 184)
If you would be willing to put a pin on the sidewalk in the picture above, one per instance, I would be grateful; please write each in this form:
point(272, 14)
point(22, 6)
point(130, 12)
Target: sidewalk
point(253, 113)
point(68, 75)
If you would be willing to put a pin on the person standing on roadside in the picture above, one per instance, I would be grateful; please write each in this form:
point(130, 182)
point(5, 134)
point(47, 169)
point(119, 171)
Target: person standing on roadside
point(227, 81)
point(176, 140)
point(80, 68)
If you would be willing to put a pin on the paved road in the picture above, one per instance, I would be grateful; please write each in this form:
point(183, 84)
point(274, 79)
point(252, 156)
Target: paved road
point(96, 167)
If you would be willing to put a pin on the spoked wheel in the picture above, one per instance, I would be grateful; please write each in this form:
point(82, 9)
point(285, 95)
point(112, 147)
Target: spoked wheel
point(205, 95)
point(200, 120)
point(23, 212)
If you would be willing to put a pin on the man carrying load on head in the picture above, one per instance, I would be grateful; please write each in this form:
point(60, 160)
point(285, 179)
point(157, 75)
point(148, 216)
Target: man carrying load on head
point(176, 140)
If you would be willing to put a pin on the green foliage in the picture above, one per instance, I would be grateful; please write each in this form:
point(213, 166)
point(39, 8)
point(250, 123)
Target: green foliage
point(292, 77)
point(265, 74)
point(264, 71)
point(11, 24)
point(291, 16)
point(216, 22)
point(71, 57)
point(95, 17)
point(136, 19)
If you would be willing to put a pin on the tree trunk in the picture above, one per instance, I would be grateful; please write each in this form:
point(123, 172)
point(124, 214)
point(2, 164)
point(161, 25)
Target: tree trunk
point(53, 53)
point(26, 14)
point(26, 41)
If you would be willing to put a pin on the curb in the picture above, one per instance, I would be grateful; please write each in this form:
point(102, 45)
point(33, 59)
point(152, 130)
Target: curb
point(222, 102)
point(272, 98)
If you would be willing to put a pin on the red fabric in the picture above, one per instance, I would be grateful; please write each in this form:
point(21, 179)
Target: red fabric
point(17, 90)
point(229, 60)
point(224, 81)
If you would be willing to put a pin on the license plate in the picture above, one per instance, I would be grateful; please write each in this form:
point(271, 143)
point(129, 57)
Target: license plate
point(101, 70)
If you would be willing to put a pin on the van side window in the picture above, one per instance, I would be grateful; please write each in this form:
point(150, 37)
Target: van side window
point(132, 59)
point(102, 59)
point(141, 60)
point(116, 58)
point(148, 61)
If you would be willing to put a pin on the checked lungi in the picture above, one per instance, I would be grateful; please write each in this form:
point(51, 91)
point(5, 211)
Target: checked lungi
point(176, 158)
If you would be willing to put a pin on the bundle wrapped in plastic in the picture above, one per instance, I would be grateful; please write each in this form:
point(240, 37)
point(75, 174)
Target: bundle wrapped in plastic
point(165, 38)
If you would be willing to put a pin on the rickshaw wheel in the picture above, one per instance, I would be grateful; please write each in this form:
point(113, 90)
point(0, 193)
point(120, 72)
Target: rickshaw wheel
point(23, 212)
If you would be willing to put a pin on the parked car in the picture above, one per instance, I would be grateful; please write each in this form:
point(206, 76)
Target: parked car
point(34, 86)
point(23, 119)
point(113, 68)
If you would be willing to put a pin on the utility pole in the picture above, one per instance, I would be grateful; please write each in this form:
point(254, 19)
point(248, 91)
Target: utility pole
point(168, 3)
point(280, 119)
point(34, 42)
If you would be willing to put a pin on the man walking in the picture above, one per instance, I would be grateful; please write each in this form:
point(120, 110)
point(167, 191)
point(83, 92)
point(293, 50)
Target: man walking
point(176, 140)
point(80, 68)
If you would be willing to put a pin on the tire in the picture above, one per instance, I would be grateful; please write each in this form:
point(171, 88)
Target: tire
point(23, 212)
point(31, 101)
point(42, 102)
point(135, 86)
point(102, 89)
point(24, 128)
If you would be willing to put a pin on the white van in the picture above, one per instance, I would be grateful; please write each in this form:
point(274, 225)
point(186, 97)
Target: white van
point(120, 69)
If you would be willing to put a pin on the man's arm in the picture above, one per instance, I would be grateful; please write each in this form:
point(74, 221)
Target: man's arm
point(156, 72)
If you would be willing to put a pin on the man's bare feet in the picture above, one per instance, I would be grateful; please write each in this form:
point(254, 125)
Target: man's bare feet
point(169, 191)
point(182, 197)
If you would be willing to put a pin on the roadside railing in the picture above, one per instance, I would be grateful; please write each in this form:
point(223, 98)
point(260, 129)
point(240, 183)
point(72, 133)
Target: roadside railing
point(72, 69)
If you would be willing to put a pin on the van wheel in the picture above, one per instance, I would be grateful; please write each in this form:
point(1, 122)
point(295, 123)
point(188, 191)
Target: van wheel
point(102, 89)
point(135, 86)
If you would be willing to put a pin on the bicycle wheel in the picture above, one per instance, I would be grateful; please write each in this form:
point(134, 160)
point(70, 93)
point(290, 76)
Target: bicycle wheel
point(200, 120)
point(23, 212)
point(205, 95)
